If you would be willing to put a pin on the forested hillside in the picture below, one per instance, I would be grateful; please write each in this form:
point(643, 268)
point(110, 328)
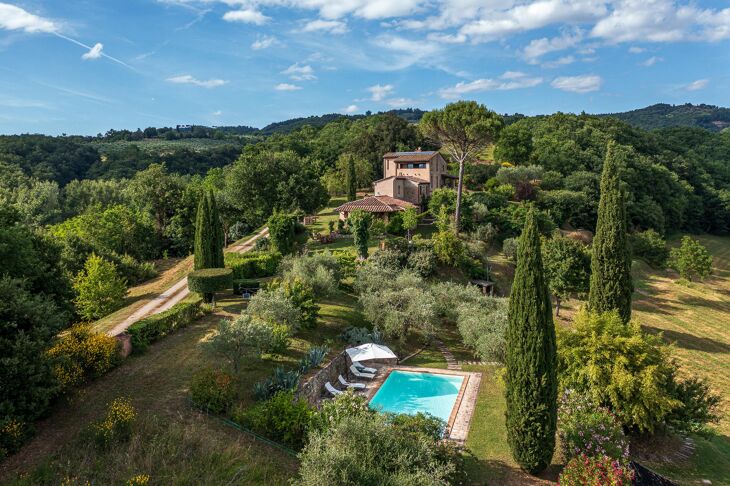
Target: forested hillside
point(662, 115)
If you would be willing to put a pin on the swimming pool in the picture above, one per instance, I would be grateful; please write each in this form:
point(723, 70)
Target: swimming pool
point(412, 392)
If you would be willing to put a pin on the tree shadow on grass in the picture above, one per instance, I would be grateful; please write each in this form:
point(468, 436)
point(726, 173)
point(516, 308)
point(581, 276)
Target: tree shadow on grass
point(495, 472)
point(690, 341)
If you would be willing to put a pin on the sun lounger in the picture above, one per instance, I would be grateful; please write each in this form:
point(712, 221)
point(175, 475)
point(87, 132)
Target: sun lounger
point(359, 374)
point(364, 369)
point(346, 383)
point(334, 391)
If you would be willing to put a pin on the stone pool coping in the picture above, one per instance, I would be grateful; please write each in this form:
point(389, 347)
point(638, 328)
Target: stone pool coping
point(457, 428)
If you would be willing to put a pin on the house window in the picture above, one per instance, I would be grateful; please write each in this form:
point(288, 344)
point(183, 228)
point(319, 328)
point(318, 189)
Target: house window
point(399, 190)
point(414, 166)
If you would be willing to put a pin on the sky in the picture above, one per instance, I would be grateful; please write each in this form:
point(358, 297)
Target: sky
point(85, 66)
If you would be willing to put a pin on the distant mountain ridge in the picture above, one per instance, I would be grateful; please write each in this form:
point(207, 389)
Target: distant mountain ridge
point(663, 115)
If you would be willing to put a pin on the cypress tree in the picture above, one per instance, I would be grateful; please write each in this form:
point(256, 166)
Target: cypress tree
point(218, 240)
point(531, 379)
point(203, 235)
point(351, 179)
point(611, 285)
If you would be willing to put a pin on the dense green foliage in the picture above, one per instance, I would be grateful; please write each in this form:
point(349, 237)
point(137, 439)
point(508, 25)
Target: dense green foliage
point(80, 354)
point(253, 264)
point(245, 337)
point(360, 221)
point(281, 418)
point(213, 391)
point(662, 115)
point(99, 289)
point(208, 234)
point(483, 326)
point(282, 231)
point(567, 267)
point(651, 247)
point(530, 380)
point(208, 281)
point(611, 286)
point(150, 329)
point(690, 259)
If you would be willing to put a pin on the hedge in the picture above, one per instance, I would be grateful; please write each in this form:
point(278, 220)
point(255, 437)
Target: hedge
point(253, 264)
point(239, 285)
point(152, 328)
point(209, 280)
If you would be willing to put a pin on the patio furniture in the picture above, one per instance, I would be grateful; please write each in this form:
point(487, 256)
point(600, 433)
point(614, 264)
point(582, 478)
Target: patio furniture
point(334, 391)
point(364, 369)
point(369, 351)
point(358, 374)
point(346, 383)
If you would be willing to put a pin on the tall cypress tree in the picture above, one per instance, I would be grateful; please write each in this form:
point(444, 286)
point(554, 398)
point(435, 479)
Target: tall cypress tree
point(611, 285)
point(218, 240)
point(203, 235)
point(351, 179)
point(531, 379)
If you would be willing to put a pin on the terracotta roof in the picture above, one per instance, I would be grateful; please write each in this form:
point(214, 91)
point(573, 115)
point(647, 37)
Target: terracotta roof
point(416, 156)
point(417, 180)
point(376, 204)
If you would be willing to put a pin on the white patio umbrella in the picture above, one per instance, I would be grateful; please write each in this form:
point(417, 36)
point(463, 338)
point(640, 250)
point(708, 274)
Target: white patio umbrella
point(369, 351)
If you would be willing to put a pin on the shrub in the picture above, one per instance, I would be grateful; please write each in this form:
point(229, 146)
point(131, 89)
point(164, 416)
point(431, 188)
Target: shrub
point(135, 271)
point(13, 433)
point(699, 406)
point(423, 262)
point(691, 258)
point(80, 354)
point(595, 471)
point(282, 232)
point(301, 296)
point(156, 326)
point(117, 425)
point(347, 262)
point(360, 335)
point(99, 288)
point(448, 247)
point(509, 248)
point(280, 380)
point(587, 429)
point(138, 480)
point(397, 311)
point(485, 233)
point(253, 264)
point(313, 358)
point(447, 296)
point(212, 390)
point(347, 404)
point(359, 221)
point(619, 366)
point(241, 338)
point(419, 424)
point(280, 335)
point(388, 258)
point(482, 325)
point(207, 281)
point(320, 271)
point(368, 449)
point(650, 246)
point(275, 307)
point(281, 418)
point(474, 268)
point(395, 225)
point(262, 244)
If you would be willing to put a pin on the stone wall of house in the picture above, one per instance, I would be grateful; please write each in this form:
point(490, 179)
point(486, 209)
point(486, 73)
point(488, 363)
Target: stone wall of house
point(313, 388)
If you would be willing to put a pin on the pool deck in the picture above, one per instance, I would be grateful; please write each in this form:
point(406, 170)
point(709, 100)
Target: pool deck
point(457, 428)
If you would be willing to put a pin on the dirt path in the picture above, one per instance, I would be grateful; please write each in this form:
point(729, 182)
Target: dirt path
point(177, 292)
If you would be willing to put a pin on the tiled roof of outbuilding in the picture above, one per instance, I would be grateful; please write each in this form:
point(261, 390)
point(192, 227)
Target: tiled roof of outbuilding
point(376, 204)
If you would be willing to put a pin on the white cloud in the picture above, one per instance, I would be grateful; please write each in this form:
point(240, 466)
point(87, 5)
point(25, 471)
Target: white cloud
point(651, 61)
point(246, 16)
point(94, 52)
point(400, 102)
point(578, 84)
point(539, 47)
point(205, 83)
point(380, 91)
point(350, 109)
point(508, 81)
point(217, 113)
point(300, 72)
point(15, 18)
point(561, 61)
point(287, 87)
point(331, 26)
point(697, 85)
point(264, 42)
point(636, 50)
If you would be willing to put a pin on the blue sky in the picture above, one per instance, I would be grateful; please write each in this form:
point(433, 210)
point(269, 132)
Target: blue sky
point(82, 67)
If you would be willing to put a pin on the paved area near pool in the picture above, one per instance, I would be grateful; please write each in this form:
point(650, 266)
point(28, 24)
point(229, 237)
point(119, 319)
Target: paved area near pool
point(460, 419)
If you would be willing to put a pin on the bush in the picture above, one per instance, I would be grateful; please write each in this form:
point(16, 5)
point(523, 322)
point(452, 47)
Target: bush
point(282, 232)
point(691, 258)
point(474, 268)
point(347, 262)
point(331, 412)
point(212, 390)
point(117, 426)
point(596, 471)
point(509, 248)
point(587, 429)
point(207, 281)
point(99, 288)
point(13, 434)
point(448, 248)
point(313, 358)
point(619, 366)
point(419, 424)
point(482, 325)
point(395, 225)
point(368, 449)
point(651, 247)
point(280, 380)
point(275, 307)
point(302, 297)
point(80, 354)
point(135, 271)
point(253, 264)
point(150, 329)
point(360, 335)
point(281, 418)
point(320, 271)
point(423, 262)
point(699, 406)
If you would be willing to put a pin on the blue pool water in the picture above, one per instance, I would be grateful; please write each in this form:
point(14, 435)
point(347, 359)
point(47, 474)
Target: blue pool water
point(408, 392)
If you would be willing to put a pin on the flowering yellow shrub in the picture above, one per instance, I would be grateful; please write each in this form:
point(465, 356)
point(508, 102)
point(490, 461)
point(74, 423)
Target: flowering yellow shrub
point(139, 480)
point(12, 434)
point(81, 354)
point(117, 426)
